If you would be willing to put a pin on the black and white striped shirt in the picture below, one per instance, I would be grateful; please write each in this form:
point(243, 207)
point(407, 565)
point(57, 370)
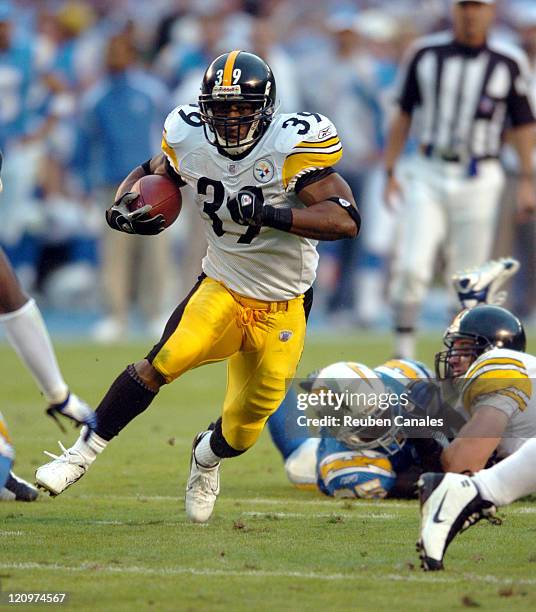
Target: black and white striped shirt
point(464, 97)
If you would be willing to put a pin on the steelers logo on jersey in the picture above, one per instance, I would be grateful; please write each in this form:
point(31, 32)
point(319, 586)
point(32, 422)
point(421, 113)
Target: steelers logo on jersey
point(264, 170)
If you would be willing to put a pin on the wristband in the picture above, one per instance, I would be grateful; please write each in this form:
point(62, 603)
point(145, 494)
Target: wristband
point(278, 218)
point(390, 172)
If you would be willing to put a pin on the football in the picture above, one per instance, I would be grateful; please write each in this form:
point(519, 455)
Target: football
point(161, 193)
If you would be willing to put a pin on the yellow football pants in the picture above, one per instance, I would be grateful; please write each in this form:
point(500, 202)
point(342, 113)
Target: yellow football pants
point(262, 340)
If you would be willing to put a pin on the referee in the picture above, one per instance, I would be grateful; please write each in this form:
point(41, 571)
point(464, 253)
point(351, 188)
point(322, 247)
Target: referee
point(463, 89)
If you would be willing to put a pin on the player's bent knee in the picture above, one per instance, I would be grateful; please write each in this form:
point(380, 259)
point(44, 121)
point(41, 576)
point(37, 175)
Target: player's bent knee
point(149, 375)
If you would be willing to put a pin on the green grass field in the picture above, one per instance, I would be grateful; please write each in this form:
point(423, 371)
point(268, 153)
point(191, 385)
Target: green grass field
point(119, 539)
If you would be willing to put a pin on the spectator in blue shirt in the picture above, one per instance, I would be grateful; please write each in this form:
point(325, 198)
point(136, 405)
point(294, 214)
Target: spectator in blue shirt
point(121, 121)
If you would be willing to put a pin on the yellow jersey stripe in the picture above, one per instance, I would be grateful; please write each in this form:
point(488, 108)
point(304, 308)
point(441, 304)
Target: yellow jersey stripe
point(314, 151)
point(495, 361)
point(521, 401)
point(497, 381)
point(320, 144)
point(296, 163)
point(228, 68)
point(500, 372)
point(170, 153)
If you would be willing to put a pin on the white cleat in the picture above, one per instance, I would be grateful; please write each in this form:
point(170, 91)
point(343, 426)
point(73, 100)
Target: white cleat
point(480, 285)
point(74, 409)
point(62, 472)
point(450, 504)
point(202, 488)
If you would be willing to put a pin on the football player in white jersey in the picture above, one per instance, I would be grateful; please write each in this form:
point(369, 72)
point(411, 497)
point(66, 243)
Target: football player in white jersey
point(487, 362)
point(266, 192)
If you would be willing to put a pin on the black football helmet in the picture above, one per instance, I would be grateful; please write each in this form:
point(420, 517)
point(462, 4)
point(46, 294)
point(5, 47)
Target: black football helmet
point(487, 327)
point(234, 80)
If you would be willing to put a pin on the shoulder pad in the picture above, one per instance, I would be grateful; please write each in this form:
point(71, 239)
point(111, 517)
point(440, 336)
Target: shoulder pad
point(182, 124)
point(310, 142)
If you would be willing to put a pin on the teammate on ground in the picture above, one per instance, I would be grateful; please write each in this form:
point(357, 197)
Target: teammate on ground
point(267, 192)
point(451, 503)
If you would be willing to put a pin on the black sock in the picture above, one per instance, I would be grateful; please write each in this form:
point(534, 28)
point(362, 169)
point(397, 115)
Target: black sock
point(127, 397)
point(219, 444)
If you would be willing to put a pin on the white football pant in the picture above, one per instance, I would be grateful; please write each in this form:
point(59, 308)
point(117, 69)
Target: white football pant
point(511, 478)
point(443, 208)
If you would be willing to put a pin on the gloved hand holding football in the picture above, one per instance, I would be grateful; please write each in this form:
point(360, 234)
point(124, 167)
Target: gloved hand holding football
point(151, 206)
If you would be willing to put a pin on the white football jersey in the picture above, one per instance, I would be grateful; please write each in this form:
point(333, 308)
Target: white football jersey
point(502, 379)
point(265, 264)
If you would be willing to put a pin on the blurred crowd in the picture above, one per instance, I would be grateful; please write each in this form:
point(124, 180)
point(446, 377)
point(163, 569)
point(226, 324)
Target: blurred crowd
point(84, 90)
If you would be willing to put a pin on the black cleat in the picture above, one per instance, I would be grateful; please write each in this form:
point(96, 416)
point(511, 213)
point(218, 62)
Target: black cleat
point(17, 489)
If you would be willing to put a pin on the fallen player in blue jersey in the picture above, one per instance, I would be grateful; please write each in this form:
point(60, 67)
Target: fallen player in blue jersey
point(389, 464)
point(344, 463)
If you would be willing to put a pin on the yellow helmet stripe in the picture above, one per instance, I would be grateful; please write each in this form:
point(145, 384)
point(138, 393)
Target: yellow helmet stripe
point(228, 68)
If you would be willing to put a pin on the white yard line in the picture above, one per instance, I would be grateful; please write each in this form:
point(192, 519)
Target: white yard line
point(327, 503)
point(336, 512)
point(276, 501)
point(253, 573)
